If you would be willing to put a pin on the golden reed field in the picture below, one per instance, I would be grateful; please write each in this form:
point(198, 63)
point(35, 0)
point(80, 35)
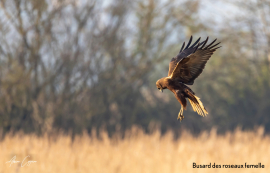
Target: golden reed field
point(136, 153)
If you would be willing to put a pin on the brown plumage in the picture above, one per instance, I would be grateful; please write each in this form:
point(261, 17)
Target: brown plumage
point(184, 69)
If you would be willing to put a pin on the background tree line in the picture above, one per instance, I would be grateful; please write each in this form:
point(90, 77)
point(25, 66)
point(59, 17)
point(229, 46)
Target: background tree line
point(75, 65)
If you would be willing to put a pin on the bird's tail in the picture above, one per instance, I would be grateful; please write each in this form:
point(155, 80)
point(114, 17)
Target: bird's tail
point(197, 104)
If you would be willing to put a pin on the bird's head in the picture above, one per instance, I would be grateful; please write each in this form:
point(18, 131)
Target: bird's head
point(161, 84)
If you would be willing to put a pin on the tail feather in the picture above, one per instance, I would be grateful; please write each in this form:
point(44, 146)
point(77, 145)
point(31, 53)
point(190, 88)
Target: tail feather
point(197, 105)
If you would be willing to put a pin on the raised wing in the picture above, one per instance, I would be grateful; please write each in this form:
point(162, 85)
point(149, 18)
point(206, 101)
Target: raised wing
point(191, 61)
point(184, 52)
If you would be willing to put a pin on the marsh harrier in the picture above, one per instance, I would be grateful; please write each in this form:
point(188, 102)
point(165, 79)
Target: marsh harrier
point(183, 70)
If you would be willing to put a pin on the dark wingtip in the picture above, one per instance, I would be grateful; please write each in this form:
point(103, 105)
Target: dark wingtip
point(218, 47)
point(196, 42)
point(214, 46)
point(204, 42)
point(190, 40)
point(210, 44)
point(196, 47)
point(182, 47)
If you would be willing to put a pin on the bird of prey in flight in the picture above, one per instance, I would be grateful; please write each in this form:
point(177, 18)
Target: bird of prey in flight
point(183, 70)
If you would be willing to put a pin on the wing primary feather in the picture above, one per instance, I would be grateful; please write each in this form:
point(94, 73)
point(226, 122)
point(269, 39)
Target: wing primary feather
point(201, 43)
point(213, 46)
point(196, 47)
point(216, 48)
point(195, 43)
point(190, 40)
point(210, 44)
point(204, 43)
point(182, 47)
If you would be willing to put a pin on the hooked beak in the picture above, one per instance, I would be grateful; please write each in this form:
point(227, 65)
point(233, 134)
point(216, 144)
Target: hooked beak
point(161, 90)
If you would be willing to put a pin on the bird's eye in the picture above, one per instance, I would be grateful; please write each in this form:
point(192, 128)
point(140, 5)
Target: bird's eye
point(158, 88)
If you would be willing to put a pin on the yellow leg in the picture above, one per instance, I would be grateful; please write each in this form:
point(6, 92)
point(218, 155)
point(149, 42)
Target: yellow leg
point(180, 114)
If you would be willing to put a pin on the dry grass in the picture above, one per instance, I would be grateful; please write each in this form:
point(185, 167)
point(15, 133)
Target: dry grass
point(138, 152)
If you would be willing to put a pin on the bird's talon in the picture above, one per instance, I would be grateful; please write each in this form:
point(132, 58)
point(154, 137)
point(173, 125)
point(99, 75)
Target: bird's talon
point(180, 117)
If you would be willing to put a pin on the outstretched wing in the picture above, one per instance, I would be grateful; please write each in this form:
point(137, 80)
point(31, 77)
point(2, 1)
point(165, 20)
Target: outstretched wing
point(184, 52)
point(190, 62)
